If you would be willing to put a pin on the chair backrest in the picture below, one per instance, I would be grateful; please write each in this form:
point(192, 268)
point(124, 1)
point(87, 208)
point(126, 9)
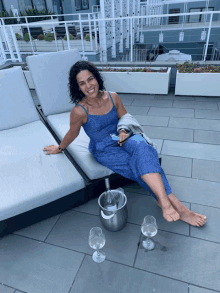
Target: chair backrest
point(35, 31)
point(16, 104)
point(50, 74)
point(61, 31)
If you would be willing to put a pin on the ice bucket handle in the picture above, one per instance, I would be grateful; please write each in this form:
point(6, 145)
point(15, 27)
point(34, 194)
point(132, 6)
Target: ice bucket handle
point(107, 217)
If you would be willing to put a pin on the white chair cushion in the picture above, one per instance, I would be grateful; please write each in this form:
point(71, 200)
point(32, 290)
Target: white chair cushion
point(79, 147)
point(16, 105)
point(30, 178)
point(50, 73)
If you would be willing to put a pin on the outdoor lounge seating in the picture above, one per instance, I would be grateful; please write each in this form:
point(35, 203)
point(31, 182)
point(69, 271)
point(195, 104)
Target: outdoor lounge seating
point(34, 31)
point(53, 69)
point(61, 31)
point(30, 180)
point(35, 186)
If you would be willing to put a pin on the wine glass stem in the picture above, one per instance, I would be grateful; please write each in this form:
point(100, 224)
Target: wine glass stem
point(98, 254)
point(148, 241)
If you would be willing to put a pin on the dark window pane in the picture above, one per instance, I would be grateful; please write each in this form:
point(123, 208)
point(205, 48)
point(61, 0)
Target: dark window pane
point(78, 4)
point(196, 17)
point(39, 4)
point(24, 4)
point(207, 16)
point(174, 19)
point(85, 4)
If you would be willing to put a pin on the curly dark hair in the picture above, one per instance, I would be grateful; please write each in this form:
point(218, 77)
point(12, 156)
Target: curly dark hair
point(75, 94)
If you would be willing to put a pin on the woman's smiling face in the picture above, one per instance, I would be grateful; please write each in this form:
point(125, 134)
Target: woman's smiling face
point(88, 84)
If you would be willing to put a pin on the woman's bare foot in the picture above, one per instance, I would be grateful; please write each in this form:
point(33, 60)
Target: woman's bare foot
point(186, 215)
point(169, 213)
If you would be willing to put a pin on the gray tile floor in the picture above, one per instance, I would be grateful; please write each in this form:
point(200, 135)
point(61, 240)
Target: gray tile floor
point(53, 256)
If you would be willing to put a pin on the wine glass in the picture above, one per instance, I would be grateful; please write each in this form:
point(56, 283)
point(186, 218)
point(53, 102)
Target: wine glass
point(97, 241)
point(149, 229)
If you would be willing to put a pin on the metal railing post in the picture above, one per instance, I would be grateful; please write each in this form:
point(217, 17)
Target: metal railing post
point(207, 41)
point(81, 33)
point(67, 35)
point(29, 34)
point(55, 36)
point(95, 28)
point(90, 33)
point(15, 44)
point(131, 34)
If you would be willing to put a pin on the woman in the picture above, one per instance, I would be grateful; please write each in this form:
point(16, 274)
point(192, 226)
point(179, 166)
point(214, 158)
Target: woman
point(98, 112)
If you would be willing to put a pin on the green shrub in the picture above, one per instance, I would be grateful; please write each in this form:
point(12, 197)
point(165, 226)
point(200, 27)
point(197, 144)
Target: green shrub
point(40, 37)
point(18, 37)
point(87, 37)
point(70, 36)
point(36, 12)
point(187, 67)
point(4, 13)
point(27, 38)
point(49, 37)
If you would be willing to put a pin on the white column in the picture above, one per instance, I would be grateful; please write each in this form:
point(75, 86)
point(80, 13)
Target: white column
point(113, 30)
point(127, 34)
point(207, 41)
point(121, 28)
point(102, 37)
point(90, 33)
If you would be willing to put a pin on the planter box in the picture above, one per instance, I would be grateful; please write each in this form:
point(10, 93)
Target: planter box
point(77, 44)
point(45, 46)
point(29, 79)
point(25, 46)
point(197, 84)
point(138, 82)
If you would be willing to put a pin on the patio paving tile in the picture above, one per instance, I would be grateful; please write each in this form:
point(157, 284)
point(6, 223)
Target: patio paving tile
point(207, 99)
point(207, 114)
point(171, 165)
point(72, 232)
point(210, 231)
point(186, 259)
point(152, 120)
point(195, 289)
point(191, 150)
point(159, 103)
point(91, 207)
point(204, 136)
point(170, 133)
point(126, 101)
point(110, 277)
point(4, 289)
point(195, 105)
point(36, 267)
point(173, 97)
point(140, 206)
point(206, 170)
point(195, 191)
point(40, 230)
point(193, 123)
point(137, 96)
point(171, 112)
point(137, 110)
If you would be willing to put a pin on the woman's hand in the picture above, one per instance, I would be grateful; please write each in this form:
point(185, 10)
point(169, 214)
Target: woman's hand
point(122, 135)
point(52, 149)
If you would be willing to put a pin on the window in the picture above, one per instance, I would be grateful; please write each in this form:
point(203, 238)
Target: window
point(174, 19)
point(82, 4)
point(199, 17)
point(30, 4)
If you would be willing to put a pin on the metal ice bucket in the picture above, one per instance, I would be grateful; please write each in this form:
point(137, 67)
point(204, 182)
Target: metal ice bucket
point(113, 209)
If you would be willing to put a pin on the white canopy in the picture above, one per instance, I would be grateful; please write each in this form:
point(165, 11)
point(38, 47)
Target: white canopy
point(174, 55)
